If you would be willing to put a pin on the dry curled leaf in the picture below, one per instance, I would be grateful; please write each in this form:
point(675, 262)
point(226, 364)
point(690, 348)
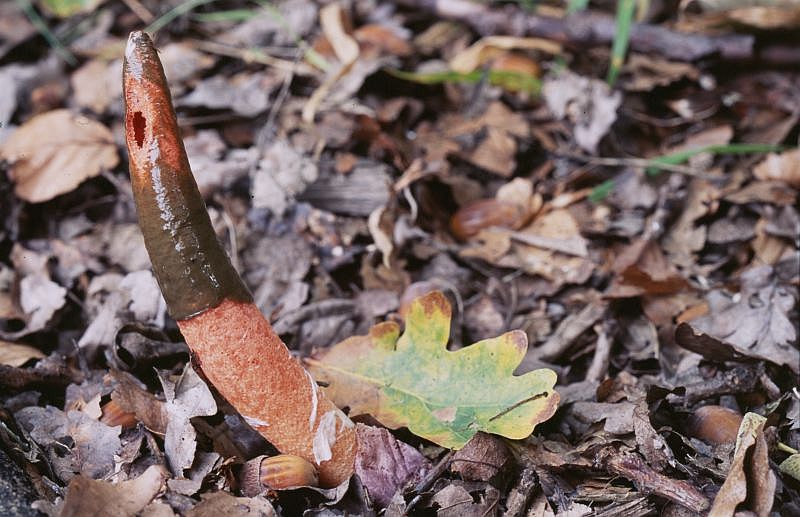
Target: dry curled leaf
point(491, 47)
point(54, 152)
point(750, 477)
point(187, 397)
point(96, 497)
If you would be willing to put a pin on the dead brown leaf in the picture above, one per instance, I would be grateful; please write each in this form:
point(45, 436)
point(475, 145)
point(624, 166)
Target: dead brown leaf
point(551, 246)
point(756, 319)
point(187, 397)
point(686, 237)
point(214, 504)
point(54, 152)
point(750, 476)
point(783, 167)
point(96, 84)
point(491, 47)
point(648, 72)
point(774, 192)
point(384, 464)
point(93, 444)
point(642, 268)
point(482, 458)
point(588, 103)
point(134, 397)
point(104, 499)
point(14, 354)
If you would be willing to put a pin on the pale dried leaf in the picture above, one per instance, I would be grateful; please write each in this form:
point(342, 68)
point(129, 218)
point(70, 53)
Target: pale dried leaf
point(247, 94)
point(113, 300)
point(767, 17)
point(540, 248)
point(40, 298)
point(54, 152)
point(783, 167)
point(94, 86)
point(755, 320)
point(187, 397)
point(94, 444)
point(331, 20)
point(219, 503)
point(13, 354)
point(183, 62)
point(750, 476)
point(588, 103)
point(102, 498)
point(13, 79)
point(203, 465)
point(487, 48)
point(282, 173)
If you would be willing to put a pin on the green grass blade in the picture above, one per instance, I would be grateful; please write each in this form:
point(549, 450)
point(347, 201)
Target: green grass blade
point(601, 191)
point(625, 11)
point(573, 6)
point(683, 156)
point(654, 168)
point(232, 15)
point(41, 26)
point(179, 10)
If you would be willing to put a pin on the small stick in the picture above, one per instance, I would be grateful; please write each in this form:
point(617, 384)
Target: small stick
point(632, 467)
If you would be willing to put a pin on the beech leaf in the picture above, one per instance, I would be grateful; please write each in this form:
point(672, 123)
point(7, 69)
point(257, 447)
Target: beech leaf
point(412, 380)
point(54, 152)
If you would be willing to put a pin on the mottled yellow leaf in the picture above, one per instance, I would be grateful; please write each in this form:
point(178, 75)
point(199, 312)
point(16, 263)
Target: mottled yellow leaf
point(412, 380)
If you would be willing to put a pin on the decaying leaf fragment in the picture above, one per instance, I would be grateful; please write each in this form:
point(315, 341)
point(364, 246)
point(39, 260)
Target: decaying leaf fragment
point(412, 379)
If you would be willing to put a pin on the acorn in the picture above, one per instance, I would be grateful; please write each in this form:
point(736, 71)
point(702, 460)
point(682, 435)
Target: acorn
point(485, 213)
point(716, 425)
point(279, 472)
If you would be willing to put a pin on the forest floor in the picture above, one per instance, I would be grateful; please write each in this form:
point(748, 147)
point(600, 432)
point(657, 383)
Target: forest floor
point(638, 223)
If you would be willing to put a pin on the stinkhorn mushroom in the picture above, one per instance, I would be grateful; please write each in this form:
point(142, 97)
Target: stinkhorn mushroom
point(231, 341)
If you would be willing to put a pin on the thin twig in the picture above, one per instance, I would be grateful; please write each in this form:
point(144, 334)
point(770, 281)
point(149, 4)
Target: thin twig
point(232, 240)
point(139, 10)
point(280, 99)
point(38, 22)
point(251, 55)
point(426, 482)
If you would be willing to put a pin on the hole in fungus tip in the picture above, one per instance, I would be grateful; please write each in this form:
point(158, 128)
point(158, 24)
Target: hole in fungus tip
point(139, 124)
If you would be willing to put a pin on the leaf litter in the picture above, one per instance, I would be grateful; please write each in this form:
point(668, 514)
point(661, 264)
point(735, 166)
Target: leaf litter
point(354, 159)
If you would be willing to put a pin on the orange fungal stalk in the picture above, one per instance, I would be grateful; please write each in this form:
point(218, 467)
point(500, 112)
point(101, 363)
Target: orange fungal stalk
point(230, 339)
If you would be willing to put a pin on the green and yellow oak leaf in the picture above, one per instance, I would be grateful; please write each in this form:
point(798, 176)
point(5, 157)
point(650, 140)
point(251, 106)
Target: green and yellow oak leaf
point(412, 380)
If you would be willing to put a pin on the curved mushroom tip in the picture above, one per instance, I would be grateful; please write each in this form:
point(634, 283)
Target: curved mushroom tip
point(137, 38)
point(138, 48)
